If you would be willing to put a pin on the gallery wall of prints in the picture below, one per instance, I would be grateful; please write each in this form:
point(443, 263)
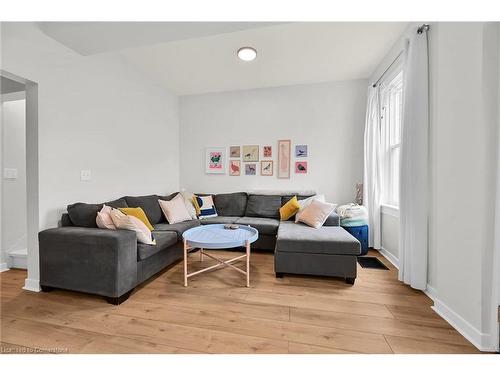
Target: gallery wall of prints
point(279, 160)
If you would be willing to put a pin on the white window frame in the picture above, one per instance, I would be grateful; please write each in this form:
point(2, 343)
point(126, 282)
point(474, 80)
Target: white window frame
point(393, 80)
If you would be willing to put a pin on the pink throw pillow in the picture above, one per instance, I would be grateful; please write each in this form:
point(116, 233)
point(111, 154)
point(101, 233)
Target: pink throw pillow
point(103, 219)
point(175, 210)
point(316, 213)
point(129, 222)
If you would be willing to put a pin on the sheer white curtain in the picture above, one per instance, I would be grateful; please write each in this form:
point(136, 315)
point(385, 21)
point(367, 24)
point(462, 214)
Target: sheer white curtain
point(372, 167)
point(413, 207)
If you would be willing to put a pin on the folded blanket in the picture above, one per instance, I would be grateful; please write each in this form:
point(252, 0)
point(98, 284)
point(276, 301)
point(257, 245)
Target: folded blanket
point(353, 222)
point(353, 211)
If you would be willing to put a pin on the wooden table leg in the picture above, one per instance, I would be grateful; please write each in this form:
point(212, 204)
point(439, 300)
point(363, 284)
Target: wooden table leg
point(248, 263)
point(185, 264)
point(201, 254)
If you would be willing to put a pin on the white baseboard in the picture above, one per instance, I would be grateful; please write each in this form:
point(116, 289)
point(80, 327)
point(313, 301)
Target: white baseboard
point(391, 258)
point(32, 285)
point(480, 340)
point(431, 292)
point(3, 267)
point(18, 259)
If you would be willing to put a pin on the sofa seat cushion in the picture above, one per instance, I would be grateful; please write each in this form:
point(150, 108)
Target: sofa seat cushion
point(219, 220)
point(178, 228)
point(163, 241)
point(262, 224)
point(150, 205)
point(300, 238)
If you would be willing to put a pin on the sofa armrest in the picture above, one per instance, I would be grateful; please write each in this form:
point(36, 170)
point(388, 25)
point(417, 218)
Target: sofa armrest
point(91, 260)
point(332, 221)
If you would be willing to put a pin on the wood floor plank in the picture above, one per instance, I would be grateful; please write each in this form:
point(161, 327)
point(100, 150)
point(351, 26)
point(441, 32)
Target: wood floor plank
point(54, 338)
point(404, 345)
point(180, 336)
point(216, 313)
point(299, 348)
point(384, 326)
point(265, 328)
point(320, 303)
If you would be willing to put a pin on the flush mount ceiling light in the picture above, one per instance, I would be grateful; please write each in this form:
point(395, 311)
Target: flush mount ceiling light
point(247, 53)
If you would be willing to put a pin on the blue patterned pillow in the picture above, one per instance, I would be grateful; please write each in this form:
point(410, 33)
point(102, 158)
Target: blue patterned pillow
point(204, 206)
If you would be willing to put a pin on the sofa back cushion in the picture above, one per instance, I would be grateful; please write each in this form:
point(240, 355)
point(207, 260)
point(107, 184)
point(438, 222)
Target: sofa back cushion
point(263, 206)
point(232, 204)
point(84, 214)
point(150, 205)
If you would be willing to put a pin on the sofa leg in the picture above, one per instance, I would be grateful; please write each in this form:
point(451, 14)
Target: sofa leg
point(46, 288)
point(118, 300)
point(279, 275)
point(350, 280)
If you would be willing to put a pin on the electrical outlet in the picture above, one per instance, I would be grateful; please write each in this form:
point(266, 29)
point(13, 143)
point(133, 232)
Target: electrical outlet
point(10, 173)
point(85, 175)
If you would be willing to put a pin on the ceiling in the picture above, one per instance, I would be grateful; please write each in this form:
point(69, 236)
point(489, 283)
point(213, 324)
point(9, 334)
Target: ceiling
point(88, 38)
point(8, 86)
point(193, 58)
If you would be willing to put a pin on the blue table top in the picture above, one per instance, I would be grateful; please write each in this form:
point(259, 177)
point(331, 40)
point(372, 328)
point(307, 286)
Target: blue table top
point(215, 236)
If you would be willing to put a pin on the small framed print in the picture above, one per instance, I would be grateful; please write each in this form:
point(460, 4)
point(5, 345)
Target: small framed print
point(301, 151)
point(250, 169)
point(268, 151)
point(215, 160)
point(234, 167)
point(234, 151)
point(250, 153)
point(301, 167)
point(266, 168)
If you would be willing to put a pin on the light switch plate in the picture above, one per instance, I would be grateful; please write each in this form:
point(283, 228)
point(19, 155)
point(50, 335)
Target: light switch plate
point(10, 173)
point(85, 175)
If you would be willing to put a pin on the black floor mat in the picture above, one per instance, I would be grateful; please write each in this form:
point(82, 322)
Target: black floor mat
point(371, 262)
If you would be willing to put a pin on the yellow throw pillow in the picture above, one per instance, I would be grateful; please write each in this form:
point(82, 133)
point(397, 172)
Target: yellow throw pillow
point(289, 209)
point(138, 213)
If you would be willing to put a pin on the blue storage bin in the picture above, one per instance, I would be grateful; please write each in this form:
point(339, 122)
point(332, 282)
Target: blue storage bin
point(361, 234)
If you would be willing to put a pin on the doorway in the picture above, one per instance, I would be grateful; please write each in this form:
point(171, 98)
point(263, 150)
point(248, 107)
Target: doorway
point(14, 246)
point(19, 206)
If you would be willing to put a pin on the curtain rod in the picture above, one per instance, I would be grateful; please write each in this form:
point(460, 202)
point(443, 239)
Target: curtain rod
point(389, 67)
point(420, 30)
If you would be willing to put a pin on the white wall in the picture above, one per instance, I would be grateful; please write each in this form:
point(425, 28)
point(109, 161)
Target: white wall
point(96, 113)
point(463, 143)
point(390, 234)
point(328, 117)
point(14, 190)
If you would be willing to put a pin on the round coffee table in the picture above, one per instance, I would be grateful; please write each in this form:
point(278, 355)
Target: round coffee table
point(215, 236)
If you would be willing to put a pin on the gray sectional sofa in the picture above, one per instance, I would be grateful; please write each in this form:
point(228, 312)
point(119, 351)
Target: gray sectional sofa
point(81, 257)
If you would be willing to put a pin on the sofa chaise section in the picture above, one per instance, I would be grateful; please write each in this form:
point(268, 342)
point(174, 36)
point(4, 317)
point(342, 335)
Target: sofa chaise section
point(326, 251)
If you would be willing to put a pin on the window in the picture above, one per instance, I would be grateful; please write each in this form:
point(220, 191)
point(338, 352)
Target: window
point(391, 95)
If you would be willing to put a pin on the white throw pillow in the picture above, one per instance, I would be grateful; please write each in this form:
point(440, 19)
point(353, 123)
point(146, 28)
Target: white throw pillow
point(129, 222)
point(316, 213)
point(103, 219)
point(303, 203)
point(188, 201)
point(175, 210)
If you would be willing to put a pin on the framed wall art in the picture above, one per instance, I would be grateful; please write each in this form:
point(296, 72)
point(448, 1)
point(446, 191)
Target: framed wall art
point(215, 160)
point(234, 167)
point(301, 167)
point(251, 169)
point(266, 168)
point(268, 151)
point(251, 153)
point(284, 146)
point(301, 151)
point(234, 151)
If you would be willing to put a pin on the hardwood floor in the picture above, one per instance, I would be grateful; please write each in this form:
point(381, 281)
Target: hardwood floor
point(217, 314)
